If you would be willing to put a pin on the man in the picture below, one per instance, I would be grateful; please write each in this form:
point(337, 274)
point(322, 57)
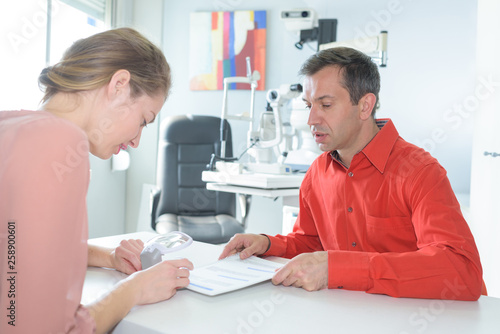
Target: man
point(377, 214)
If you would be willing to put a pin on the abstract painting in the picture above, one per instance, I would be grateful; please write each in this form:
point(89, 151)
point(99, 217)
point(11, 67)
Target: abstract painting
point(219, 45)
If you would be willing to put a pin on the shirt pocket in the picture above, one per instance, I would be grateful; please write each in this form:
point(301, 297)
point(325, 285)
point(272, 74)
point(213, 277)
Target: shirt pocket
point(390, 234)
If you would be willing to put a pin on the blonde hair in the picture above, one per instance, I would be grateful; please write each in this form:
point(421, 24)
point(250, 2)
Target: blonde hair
point(91, 62)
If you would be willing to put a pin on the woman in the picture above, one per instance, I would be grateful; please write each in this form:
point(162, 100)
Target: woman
point(97, 99)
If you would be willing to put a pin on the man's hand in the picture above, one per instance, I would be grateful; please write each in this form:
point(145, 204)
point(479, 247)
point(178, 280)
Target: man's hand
point(247, 245)
point(308, 271)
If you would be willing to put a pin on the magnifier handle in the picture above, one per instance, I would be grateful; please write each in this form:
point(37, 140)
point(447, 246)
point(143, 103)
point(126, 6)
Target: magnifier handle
point(150, 257)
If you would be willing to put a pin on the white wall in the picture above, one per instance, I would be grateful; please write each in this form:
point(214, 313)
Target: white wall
point(146, 17)
point(426, 87)
point(485, 188)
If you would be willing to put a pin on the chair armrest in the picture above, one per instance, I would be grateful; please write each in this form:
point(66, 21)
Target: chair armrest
point(244, 200)
point(154, 200)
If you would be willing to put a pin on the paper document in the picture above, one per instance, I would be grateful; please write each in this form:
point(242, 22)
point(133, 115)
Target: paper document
point(231, 274)
point(199, 253)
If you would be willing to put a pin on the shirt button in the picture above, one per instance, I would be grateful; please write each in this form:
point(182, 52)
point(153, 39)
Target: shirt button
point(349, 209)
point(353, 244)
point(350, 174)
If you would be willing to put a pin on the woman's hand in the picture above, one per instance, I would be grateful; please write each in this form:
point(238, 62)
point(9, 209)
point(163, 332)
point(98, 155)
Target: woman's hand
point(161, 281)
point(127, 256)
point(157, 283)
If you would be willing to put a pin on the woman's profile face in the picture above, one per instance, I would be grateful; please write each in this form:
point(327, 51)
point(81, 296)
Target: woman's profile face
point(122, 126)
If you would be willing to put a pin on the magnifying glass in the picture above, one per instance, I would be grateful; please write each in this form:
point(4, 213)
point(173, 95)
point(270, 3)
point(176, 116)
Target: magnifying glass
point(162, 244)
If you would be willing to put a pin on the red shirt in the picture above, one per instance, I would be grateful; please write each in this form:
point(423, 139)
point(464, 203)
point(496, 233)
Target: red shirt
point(390, 222)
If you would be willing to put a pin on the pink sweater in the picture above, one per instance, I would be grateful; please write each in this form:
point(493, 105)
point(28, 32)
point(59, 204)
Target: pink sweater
point(44, 176)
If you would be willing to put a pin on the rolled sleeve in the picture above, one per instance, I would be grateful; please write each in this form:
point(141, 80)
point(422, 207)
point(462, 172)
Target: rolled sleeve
point(348, 270)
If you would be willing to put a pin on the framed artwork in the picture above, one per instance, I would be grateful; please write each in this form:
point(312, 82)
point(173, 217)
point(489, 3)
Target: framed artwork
point(219, 44)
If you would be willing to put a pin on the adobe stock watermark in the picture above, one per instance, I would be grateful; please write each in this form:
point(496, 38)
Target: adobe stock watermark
point(459, 112)
point(31, 26)
point(455, 116)
point(79, 153)
point(262, 311)
point(226, 5)
point(381, 19)
point(201, 199)
point(421, 319)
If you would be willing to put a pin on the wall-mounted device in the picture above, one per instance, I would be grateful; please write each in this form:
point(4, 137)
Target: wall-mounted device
point(304, 22)
point(375, 46)
point(299, 19)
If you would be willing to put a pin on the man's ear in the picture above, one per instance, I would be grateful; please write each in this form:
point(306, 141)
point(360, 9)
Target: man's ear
point(366, 104)
point(119, 85)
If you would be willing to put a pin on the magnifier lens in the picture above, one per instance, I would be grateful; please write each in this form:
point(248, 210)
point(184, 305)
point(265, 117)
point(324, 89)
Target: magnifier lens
point(172, 240)
point(155, 248)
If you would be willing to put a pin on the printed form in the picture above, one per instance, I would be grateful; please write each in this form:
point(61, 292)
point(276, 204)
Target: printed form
point(231, 274)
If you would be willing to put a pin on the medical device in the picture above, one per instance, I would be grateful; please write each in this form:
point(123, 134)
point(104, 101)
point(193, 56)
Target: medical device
point(162, 244)
point(273, 141)
point(299, 19)
point(375, 46)
point(259, 141)
point(273, 134)
point(252, 79)
point(304, 22)
point(306, 150)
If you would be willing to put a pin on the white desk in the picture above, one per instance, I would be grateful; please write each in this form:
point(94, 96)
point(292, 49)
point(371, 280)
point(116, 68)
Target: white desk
point(265, 308)
point(255, 180)
point(285, 192)
point(266, 185)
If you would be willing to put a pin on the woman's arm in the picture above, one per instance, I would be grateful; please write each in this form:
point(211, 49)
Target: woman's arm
point(157, 283)
point(125, 257)
point(43, 188)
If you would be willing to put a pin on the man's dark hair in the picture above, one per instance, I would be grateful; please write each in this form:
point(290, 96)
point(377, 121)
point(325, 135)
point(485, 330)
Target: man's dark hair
point(359, 73)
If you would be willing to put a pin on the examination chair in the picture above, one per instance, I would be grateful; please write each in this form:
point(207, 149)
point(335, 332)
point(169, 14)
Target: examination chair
point(182, 202)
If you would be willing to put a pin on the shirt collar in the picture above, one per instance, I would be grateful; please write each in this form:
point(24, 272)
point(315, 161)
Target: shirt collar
point(377, 151)
point(379, 148)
